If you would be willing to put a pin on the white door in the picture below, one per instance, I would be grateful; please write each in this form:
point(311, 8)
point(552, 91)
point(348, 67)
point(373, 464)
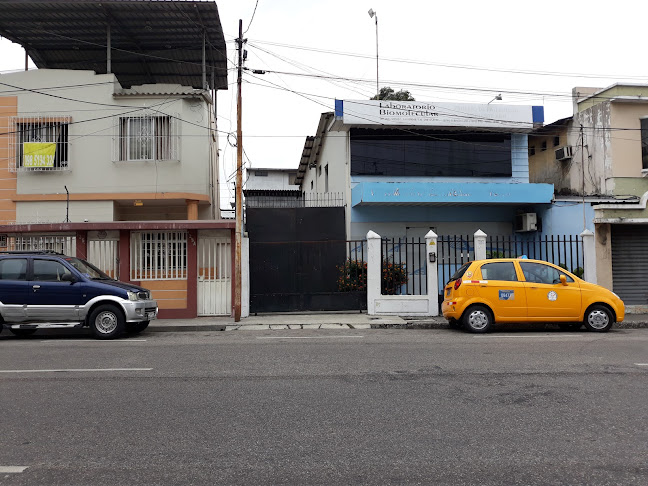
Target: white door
point(103, 251)
point(214, 276)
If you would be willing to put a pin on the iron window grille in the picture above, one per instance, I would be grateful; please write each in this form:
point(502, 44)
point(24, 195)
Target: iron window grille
point(159, 255)
point(39, 143)
point(146, 138)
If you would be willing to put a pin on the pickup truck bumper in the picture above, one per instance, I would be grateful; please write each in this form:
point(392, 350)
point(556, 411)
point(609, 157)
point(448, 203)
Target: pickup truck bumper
point(140, 310)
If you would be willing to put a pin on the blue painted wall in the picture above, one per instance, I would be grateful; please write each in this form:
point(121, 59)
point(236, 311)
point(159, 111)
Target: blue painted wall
point(565, 218)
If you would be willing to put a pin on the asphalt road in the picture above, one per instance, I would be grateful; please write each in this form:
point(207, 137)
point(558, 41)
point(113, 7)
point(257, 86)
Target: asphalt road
point(326, 407)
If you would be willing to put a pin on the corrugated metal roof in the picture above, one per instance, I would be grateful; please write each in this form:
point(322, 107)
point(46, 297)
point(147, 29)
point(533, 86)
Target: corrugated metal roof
point(153, 41)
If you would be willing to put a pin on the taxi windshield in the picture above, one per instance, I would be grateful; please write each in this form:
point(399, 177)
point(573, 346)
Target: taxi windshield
point(87, 269)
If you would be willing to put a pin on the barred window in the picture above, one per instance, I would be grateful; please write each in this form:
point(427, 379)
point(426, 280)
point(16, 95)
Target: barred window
point(147, 138)
point(40, 143)
point(160, 255)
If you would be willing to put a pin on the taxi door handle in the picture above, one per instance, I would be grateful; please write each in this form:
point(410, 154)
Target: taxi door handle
point(35, 287)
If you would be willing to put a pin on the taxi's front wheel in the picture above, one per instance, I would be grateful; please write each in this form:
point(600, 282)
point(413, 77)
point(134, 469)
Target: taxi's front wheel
point(598, 319)
point(478, 318)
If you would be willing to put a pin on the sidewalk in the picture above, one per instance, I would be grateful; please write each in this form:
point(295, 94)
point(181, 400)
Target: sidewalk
point(331, 320)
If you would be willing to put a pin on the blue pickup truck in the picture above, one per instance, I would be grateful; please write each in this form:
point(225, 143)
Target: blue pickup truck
point(48, 290)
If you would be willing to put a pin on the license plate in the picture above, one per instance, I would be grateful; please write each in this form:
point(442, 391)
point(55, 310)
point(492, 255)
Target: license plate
point(150, 315)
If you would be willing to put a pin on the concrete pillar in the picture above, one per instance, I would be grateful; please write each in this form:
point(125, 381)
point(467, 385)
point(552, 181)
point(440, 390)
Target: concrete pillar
point(480, 245)
point(245, 276)
point(432, 272)
point(373, 271)
point(82, 245)
point(192, 209)
point(589, 256)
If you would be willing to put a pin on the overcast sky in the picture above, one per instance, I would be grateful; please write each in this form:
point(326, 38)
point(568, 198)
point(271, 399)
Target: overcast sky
point(533, 53)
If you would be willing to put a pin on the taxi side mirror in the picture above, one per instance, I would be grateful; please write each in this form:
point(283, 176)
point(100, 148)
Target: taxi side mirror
point(563, 280)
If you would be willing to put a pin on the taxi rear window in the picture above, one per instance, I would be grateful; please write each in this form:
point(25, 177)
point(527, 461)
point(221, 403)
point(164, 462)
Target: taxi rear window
point(459, 273)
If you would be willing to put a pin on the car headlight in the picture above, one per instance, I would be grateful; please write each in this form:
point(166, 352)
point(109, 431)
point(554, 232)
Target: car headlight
point(132, 295)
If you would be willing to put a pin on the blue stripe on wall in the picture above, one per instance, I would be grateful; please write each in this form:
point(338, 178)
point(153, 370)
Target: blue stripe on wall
point(392, 193)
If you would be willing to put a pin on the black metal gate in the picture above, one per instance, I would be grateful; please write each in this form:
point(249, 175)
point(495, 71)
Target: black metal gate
point(300, 261)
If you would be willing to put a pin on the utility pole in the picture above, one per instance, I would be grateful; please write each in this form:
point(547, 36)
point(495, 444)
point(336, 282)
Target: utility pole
point(583, 173)
point(239, 181)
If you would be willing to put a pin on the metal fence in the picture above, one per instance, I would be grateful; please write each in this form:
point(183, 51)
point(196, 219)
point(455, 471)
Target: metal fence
point(403, 268)
point(452, 252)
point(302, 200)
point(563, 250)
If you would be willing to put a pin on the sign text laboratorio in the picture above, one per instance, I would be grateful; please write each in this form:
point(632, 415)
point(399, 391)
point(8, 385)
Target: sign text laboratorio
point(385, 112)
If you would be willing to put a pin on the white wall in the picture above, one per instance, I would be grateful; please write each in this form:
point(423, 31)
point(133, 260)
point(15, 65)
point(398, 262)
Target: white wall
point(55, 211)
point(277, 180)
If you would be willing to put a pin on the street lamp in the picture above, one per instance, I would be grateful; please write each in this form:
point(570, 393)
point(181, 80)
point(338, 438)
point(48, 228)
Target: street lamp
point(373, 14)
point(498, 98)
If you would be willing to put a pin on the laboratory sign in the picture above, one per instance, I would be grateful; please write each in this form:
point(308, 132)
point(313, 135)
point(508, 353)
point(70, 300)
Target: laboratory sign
point(38, 154)
point(415, 113)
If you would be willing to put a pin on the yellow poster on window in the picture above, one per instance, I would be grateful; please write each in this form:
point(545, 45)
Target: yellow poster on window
point(38, 154)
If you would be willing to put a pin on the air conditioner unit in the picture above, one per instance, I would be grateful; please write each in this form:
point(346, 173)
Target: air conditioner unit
point(564, 153)
point(526, 222)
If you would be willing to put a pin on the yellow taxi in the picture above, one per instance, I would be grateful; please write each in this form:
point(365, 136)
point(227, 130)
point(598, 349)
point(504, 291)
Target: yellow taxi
point(483, 292)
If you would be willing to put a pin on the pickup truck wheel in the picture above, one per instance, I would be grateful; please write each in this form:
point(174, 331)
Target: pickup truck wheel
point(136, 327)
point(22, 332)
point(106, 322)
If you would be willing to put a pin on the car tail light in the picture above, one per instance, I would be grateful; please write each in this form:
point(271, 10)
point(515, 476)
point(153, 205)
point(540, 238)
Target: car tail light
point(457, 283)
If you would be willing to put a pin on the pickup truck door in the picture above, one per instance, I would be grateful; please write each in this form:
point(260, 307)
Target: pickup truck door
point(50, 297)
point(13, 288)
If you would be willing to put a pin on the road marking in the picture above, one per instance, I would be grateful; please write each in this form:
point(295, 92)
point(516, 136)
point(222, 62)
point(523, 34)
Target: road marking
point(75, 370)
point(12, 469)
point(641, 364)
point(308, 337)
point(93, 341)
point(534, 336)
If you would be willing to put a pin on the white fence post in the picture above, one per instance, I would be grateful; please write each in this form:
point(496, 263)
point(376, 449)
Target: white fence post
point(480, 245)
point(432, 272)
point(589, 256)
point(373, 271)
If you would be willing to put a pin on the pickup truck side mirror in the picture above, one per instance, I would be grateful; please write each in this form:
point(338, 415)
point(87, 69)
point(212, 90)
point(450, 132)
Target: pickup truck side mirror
point(563, 280)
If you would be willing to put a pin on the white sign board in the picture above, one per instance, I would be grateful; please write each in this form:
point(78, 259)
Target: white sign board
point(414, 113)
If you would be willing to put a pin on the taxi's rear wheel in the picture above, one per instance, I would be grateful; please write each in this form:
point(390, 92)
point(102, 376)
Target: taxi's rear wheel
point(478, 318)
point(598, 319)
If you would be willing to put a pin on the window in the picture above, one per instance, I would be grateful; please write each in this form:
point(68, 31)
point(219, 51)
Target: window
point(159, 255)
point(499, 271)
point(49, 271)
point(543, 146)
point(311, 185)
point(430, 153)
point(261, 173)
point(326, 189)
point(147, 138)
point(40, 143)
point(541, 273)
point(644, 143)
point(556, 141)
point(13, 269)
point(531, 150)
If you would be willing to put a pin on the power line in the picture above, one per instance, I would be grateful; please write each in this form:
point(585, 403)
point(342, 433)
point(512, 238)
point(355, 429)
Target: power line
point(454, 66)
